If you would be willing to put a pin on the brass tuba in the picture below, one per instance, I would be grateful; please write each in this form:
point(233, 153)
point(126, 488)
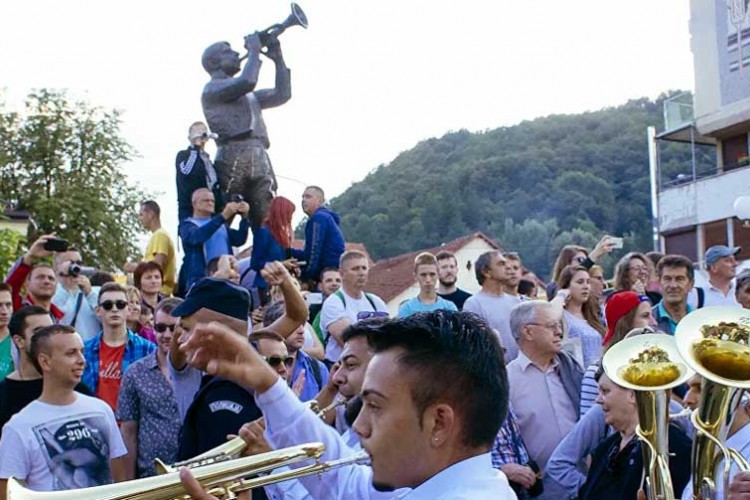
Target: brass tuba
point(650, 365)
point(224, 479)
point(714, 342)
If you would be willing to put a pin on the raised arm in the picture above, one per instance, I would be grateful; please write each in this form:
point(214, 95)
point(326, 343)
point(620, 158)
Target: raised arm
point(296, 308)
point(282, 91)
point(229, 89)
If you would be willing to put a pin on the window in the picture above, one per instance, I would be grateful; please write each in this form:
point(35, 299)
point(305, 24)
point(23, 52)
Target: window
point(734, 152)
point(715, 233)
point(682, 242)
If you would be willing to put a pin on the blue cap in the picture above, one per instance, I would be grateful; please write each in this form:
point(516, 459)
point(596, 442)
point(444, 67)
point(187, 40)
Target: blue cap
point(215, 294)
point(718, 252)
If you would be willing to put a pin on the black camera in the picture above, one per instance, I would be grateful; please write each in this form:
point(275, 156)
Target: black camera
point(76, 270)
point(237, 198)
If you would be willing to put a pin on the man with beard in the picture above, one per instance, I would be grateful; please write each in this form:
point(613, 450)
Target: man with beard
point(39, 278)
point(513, 270)
point(447, 277)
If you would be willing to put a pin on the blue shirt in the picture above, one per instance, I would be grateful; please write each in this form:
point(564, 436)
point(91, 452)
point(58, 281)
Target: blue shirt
point(218, 243)
point(136, 348)
point(663, 320)
point(265, 249)
point(413, 306)
point(311, 388)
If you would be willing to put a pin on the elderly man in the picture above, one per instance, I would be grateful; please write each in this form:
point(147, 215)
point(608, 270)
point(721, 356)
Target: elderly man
point(545, 384)
point(676, 276)
point(233, 108)
point(721, 264)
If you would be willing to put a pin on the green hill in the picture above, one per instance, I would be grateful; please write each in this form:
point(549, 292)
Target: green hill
point(534, 186)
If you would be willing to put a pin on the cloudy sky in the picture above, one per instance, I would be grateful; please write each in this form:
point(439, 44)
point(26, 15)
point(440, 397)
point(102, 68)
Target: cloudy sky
point(370, 79)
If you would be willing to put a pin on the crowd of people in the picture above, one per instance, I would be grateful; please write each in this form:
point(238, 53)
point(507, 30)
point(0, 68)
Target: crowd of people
point(499, 394)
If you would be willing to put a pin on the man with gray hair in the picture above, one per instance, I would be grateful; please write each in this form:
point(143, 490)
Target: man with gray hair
point(545, 384)
point(491, 303)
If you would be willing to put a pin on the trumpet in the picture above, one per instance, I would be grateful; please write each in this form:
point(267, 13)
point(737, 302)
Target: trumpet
point(223, 480)
point(296, 18)
point(230, 450)
point(651, 374)
point(714, 343)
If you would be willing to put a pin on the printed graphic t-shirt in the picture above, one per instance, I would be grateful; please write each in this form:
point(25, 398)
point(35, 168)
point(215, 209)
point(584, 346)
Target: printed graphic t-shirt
point(110, 373)
point(54, 447)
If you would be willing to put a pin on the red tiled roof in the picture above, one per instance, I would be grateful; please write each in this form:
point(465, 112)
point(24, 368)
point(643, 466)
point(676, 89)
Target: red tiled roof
point(389, 277)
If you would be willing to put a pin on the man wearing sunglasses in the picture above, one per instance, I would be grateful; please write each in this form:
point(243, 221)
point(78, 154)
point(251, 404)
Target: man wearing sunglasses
point(110, 353)
point(146, 406)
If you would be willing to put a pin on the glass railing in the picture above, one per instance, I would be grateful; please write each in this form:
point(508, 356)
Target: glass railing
point(678, 111)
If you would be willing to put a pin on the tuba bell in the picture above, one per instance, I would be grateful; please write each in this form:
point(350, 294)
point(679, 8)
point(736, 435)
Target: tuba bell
point(714, 342)
point(650, 365)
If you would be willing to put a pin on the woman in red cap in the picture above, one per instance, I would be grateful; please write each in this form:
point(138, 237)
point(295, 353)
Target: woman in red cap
point(624, 311)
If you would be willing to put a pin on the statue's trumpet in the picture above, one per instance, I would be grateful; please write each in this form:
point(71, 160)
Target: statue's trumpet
point(296, 18)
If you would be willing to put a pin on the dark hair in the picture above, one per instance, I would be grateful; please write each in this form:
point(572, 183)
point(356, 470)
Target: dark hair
point(152, 206)
point(40, 339)
point(564, 258)
point(144, 267)
point(212, 266)
point(654, 257)
point(444, 353)
point(327, 270)
point(590, 309)
point(18, 321)
point(676, 261)
point(444, 255)
point(41, 265)
point(482, 264)
point(255, 337)
point(167, 305)
point(525, 287)
point(99, 278)
point(599, 372)
point(112, 287)
point(4, 287)
point(273, 312)
point(361, 328)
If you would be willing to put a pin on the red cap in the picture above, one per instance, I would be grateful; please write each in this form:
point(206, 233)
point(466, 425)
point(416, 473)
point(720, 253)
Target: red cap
point(618, 306)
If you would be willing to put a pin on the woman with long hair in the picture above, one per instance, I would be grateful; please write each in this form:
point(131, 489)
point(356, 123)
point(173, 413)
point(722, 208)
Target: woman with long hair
point(581, 311)
point(632, 273)
point(272, 241)
point(574, 255)
point(135, 320)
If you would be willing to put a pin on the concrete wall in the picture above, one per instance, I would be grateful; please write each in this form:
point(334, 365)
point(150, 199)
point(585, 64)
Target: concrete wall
point(469, 253)
point(703, 201)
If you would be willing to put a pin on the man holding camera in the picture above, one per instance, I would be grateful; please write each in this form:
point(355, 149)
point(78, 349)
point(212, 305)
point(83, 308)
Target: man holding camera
point(206, 236)
point(39, 278)
point(233, 108)
point(194, 170)
point(74, 295)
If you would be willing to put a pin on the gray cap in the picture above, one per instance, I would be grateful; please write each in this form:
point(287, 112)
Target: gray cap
point(720, 251)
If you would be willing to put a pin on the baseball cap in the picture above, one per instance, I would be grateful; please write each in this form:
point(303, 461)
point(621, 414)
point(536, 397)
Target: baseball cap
point(218, 295)
point(719, 251)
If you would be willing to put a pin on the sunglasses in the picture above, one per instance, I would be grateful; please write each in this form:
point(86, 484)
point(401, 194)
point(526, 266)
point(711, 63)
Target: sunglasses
point(276, 361)
point(163, 327)
point(107, 305)
point(371, 314)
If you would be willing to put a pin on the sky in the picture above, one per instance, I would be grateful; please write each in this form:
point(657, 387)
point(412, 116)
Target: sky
point(370, 79)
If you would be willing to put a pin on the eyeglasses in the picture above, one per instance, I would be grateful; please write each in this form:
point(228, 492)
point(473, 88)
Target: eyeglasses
point(371, 314)
point(107, 305)
point(275, 361)
point(163, 327)
point(549, 326)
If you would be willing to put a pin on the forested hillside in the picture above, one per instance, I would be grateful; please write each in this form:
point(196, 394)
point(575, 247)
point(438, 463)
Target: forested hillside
point(534, 186)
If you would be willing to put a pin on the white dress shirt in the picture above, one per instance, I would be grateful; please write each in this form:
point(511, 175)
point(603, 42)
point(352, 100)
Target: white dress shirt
point(290, 423)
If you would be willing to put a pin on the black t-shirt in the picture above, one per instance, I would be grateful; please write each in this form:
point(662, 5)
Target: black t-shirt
point(616, 475)
point(15, 395)
point(458, 297)
point(219, 408)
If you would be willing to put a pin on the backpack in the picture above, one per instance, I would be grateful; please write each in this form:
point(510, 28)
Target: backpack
point(701, 297)
point(340, 295)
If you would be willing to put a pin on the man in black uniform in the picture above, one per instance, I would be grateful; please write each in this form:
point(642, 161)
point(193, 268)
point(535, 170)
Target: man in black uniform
point(195, 170)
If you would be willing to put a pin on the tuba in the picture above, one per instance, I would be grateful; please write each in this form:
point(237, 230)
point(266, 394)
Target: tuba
point(650, 366)
point(714, 342)
point(224, 479)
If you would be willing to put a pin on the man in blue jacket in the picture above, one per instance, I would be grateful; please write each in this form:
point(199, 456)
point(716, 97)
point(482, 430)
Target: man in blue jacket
point(206, 236)
point(324, 241)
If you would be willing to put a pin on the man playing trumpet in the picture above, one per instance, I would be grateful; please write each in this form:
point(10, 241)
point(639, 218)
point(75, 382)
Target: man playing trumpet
point(233, 108)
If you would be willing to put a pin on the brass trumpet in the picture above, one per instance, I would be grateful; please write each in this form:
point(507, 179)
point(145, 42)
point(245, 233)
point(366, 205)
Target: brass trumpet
point(220, 479)
point(714, 342)
point(646, 364)
point(296, 18)
point(230, 450)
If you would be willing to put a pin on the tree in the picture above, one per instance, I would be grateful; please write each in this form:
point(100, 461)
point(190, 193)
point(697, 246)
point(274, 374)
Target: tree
point(62, 161)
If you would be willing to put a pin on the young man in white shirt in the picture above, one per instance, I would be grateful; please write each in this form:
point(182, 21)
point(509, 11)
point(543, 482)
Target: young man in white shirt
point(435, 394)
point(63, 440)
point(344, 306)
